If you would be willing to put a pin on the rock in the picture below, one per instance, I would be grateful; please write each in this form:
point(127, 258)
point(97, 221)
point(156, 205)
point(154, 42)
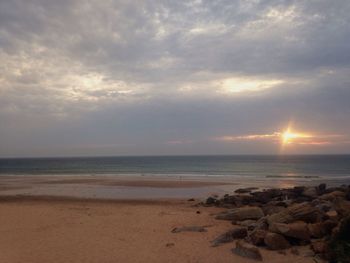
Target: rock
point(169, 244)
point(246, 223)
point(267, 195)
point(319, 246)
point(210, 201)
point(262, 224)
point(257, 237)
point(191, 200)
point(342, 207)
point(189, 229)
point(246, 250)
point(321, 189)
point(322, 205)
point(240, 214)
point(245, 190)
point(294, 251)
point(310, 192)
point(275, 241)
point(339, 244)
point(272, 209)
point(316, 230)
point(304, 212)
point(332, 214)
point(319, 230)
point(229, 236)
point(298, 230)
point(305, 251)
point(332, 195)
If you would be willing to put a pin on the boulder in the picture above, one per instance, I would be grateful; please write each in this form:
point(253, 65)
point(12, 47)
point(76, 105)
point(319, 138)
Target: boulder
point(275, 241)
point(303, 211)
point(229, 236)
point(257, 237)
point(242, 213)
point(247, 250)
point(298, 230)
point(321, 229)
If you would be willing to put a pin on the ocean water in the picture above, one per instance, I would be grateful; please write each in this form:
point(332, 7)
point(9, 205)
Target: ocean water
point(296, 167)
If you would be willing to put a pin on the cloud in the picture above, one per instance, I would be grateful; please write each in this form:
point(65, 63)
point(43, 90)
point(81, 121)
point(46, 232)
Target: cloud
point(140, 73)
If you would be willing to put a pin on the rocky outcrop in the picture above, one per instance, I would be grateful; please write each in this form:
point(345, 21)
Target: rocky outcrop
point(303, 218)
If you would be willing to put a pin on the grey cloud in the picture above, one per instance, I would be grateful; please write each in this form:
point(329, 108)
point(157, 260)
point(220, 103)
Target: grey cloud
point(99, 72)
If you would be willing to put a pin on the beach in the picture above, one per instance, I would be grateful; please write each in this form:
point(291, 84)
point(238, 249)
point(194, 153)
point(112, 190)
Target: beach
point(71, 228)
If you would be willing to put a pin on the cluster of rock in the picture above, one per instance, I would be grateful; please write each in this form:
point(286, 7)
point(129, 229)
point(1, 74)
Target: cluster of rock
point(307, 220)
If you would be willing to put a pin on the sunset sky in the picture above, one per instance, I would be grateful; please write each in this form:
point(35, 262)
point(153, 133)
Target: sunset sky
point(124, 77)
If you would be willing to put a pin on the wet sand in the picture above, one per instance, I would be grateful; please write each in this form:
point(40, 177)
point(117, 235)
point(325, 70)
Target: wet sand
point(62, 229)
point(114, 187)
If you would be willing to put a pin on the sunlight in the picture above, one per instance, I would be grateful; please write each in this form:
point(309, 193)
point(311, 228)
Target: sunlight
point(244, 84)
point(290, 136)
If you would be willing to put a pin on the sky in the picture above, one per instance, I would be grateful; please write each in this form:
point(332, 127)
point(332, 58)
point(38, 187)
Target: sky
point(151, 77)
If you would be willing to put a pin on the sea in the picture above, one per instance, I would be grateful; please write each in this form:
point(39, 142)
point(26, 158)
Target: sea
point(298, 168)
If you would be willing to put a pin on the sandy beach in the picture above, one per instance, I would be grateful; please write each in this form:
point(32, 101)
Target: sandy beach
point(44, 229)
point(68, 228)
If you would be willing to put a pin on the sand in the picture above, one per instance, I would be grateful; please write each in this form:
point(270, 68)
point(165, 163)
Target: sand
point(53, 229)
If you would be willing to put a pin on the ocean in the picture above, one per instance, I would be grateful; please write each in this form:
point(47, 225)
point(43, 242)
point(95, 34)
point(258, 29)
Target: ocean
point(335, 168)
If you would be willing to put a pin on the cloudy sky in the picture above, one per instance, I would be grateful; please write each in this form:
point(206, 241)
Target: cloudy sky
point(128, 77)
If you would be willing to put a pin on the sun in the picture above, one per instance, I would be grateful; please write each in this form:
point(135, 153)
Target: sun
point(289, 136)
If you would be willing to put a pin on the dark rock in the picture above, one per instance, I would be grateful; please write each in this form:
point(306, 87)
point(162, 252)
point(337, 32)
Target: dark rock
point(257, 237)
point(267, 195)
point(240, 214)
point(340, 243)
point(321, 189)
point(245, 190)
point(275, 241)
point(229, 236)
point(191, 200)
point(210, 201)
point(189, 229)
point(247, 250)
point(321, 229)
point(298, 230)
point(170, 244)
point(319, 246)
